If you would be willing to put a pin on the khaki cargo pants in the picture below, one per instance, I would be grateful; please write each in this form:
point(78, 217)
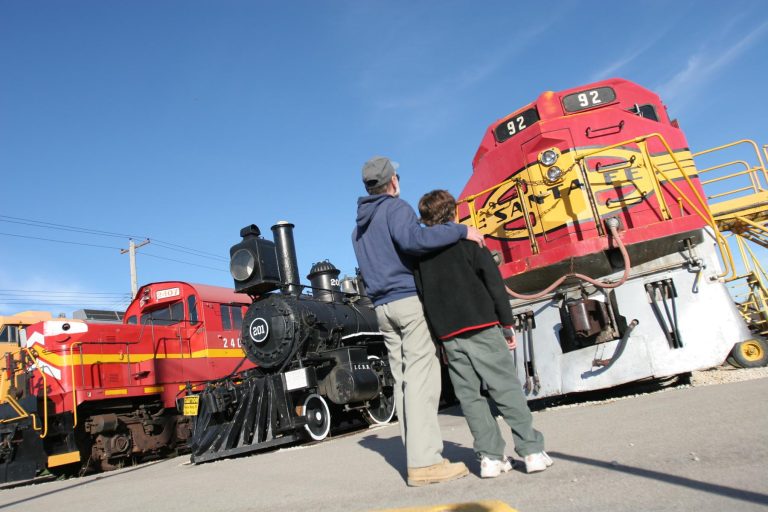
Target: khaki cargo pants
point(416, 369)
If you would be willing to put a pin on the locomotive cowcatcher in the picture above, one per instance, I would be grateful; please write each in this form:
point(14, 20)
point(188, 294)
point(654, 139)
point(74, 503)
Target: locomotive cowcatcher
point(319, 358)
point(99, 396)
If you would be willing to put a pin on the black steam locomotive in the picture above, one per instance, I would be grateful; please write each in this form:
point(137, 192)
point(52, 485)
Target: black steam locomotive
point(319, 357)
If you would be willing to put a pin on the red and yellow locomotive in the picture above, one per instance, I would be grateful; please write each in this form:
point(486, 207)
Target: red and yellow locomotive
point(104, 395)
point(591, 200)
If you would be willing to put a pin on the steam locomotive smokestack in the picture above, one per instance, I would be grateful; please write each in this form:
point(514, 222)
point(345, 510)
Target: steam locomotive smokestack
point(286, 257)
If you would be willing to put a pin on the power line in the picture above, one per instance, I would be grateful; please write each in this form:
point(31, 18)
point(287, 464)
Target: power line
point(4, 291)
point(55, 298)
point(61, 241)
point(97, 232)
point(179, 261)
point(194, 252)
point(60, 227)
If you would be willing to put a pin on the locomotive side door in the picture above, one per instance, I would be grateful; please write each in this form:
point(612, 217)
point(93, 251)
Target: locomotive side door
point(166, 327)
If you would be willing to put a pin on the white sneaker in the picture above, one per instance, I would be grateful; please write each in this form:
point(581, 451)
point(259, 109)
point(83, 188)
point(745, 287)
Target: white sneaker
point(537, 462)
point(490, 468)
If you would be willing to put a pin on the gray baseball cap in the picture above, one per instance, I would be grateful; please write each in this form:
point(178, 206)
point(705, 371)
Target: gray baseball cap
point(378, 171)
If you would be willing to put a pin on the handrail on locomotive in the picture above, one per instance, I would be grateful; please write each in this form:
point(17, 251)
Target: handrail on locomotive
point(742, 215)
point(702, 210)
point(26, 360)
point(74, 383)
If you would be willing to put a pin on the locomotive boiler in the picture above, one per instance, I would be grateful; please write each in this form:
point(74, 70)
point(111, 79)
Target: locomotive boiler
point(319, 356)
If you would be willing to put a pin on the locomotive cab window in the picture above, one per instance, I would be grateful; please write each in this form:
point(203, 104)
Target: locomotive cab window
point(231, 317)
point(645, 111)
point(237, 317)
point(168, 314)
point(9, 333)
point(192, 306)
point(131, 320)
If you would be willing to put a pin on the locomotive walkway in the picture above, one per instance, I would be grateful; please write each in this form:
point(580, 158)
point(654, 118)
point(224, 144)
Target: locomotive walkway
point(701, 448)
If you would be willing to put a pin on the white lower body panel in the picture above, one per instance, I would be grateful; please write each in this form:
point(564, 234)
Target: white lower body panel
point(707, 321)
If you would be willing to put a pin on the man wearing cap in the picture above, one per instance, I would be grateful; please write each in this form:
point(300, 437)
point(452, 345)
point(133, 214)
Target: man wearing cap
point(388, 240)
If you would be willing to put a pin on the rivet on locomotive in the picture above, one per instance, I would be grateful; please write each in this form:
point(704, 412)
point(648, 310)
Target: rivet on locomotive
point(318, 357)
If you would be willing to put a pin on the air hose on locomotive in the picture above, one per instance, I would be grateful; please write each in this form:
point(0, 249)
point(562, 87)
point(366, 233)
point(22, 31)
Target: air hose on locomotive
point(613, 226)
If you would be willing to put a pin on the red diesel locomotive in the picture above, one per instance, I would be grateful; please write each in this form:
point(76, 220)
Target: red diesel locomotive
point(100, 396)
point(592, 203)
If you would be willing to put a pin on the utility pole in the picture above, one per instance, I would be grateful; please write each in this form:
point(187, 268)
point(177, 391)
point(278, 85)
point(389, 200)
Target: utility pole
point(131, 250)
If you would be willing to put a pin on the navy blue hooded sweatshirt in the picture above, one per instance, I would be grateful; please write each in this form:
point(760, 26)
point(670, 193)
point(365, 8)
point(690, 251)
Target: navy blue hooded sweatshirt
point(388, 240)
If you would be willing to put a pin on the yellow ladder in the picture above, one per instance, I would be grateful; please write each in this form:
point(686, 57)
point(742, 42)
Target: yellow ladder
point(742, 208)
point(739, 206)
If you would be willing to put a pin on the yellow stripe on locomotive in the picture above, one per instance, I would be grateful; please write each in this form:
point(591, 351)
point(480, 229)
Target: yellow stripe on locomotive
point(619, 180)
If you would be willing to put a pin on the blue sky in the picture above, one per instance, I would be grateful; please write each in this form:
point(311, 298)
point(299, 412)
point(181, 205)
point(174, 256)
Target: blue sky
point(183, 121)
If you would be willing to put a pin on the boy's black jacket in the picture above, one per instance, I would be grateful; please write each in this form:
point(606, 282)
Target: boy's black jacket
point(462, 290)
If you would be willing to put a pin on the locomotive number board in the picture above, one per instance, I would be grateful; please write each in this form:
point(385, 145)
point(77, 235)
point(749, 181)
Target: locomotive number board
point(516, 123)
point(587, 99)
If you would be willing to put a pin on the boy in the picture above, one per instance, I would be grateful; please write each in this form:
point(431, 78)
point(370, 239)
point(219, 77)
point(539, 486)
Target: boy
point(468, 309)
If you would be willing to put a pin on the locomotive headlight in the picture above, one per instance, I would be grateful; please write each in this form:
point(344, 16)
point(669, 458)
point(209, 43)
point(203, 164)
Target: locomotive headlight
point(554, 173)
point(242, 264)
point(548, 157)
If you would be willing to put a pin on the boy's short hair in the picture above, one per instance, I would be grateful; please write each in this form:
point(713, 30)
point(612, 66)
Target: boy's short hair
point(437, 207)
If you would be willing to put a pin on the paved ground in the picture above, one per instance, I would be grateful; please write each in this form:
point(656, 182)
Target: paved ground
point(700, 448)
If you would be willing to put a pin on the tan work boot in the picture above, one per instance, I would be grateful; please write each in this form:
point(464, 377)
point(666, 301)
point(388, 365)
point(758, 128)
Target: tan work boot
point(443, 472)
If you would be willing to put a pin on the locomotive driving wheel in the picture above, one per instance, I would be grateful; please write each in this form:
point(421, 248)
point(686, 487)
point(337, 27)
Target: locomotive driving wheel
point(381, 409)
point(318, 417)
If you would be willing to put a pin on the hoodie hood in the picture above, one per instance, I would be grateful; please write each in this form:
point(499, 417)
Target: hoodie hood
point(366, 207)
point(388, 240)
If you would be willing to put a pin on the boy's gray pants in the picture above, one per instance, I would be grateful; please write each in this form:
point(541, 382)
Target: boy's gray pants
point(483, 356)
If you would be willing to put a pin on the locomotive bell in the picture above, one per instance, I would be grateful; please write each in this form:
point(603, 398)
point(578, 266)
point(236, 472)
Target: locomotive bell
point(253, 263)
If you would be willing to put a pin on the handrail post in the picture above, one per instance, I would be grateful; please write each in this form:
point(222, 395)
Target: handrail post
point(648, 164)
point(74, 384)
point(708, 218)
point(45, 392)
point(526, 217)
point(590, 194)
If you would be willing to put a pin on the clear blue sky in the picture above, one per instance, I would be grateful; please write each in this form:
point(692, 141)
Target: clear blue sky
point(184, 120)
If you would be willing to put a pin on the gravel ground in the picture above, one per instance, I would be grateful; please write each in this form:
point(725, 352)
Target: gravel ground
point(719, 375)
point(727, 373)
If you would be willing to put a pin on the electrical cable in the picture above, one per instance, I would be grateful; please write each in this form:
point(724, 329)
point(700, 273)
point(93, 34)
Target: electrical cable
point(65, 227)
point(62, 241)
point(145, 253)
